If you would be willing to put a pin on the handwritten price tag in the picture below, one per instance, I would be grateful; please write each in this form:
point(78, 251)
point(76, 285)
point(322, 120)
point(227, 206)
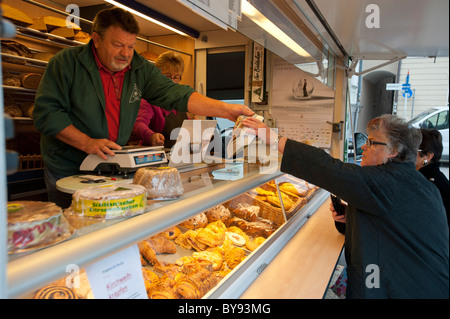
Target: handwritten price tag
point(118, 276)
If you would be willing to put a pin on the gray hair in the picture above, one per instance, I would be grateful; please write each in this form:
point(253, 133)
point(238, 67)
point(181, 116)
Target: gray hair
point(401, 137)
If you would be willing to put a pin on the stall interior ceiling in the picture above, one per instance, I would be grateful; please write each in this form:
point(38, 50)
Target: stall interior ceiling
point(382, 29)
point(325, 29)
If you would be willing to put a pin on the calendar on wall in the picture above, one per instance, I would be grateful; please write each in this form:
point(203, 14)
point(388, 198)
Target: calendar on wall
point(302, 106)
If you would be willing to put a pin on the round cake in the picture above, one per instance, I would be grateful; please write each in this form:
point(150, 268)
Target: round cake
point(32, 223)
point(109, 201)
point(160, 182)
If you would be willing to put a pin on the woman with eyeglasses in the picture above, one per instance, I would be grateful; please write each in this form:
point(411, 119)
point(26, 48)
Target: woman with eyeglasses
point(154, 124)
point(427, 162)
point(396, 237)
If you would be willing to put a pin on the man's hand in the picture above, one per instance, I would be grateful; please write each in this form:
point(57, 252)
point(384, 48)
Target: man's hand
point(203, 105)
point(74, 137)
point(101, 147)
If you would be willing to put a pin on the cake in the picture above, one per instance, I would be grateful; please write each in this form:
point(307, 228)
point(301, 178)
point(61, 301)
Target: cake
point(33, 223)
point(108, 201)
point(160, 182)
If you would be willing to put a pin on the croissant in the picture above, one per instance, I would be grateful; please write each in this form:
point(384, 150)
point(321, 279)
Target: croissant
point(164, 289)
point(161, 245)
point(150, 278)
point(148, 252)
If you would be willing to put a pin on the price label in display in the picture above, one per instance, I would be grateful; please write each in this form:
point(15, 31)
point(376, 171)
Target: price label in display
point(118, 276)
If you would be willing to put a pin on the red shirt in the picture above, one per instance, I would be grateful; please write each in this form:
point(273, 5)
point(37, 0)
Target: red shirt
point(112, 89)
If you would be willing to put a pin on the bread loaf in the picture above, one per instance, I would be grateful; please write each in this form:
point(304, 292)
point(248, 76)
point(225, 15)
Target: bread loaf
point(12, 109)
point(48, 23)
point(31, 80)
point(43, 56)
point(149, 55)
point(27, 109)
point(15, 48)
point(11, 79)
point(17, 16)
point(81, 36)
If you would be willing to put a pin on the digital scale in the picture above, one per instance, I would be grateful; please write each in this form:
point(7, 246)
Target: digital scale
point(126, 160)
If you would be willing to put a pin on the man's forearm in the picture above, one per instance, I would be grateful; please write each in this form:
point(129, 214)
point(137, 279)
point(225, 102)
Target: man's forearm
point(74, 137)
point(202, 105)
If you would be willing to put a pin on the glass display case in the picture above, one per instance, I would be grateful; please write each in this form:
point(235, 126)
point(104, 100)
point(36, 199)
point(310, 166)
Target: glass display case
point(264, 209)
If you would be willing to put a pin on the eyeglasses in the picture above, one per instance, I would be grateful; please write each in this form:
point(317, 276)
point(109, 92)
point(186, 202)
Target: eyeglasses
point(369, 143)
point(173, 77)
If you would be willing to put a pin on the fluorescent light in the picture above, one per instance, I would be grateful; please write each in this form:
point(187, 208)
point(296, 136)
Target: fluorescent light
point(257, 17)
point(146, 17)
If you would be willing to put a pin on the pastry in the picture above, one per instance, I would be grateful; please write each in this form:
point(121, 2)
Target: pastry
point(209, 237)
point(262, 192)
point(275, 201)
point(253, 244)
point(32, 223)
point(247, 212)
point(150, 278)
point(147, 251)
point(160, 182)
point(290, 189)
point(109, 201)
point(172, 233)
point(234, 256)
point(161, 245)
point(236, 239)
point(195, 222)
point(56, 292)
point(218, 212)
point(191, 238)
point(163, 289)
point(238, 231)
point(213, 255)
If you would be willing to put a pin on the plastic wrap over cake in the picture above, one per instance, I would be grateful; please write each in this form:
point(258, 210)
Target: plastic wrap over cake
point(160, 182)
point(108, 201)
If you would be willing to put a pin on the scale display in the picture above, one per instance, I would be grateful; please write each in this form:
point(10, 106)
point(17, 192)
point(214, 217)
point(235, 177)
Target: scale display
point(149, 158)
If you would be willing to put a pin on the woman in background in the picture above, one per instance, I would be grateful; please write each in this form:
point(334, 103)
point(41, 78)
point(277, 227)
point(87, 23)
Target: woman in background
point(154, 124)
point(428, 157)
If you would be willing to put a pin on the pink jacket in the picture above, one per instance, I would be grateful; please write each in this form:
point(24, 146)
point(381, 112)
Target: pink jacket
point(150, 120)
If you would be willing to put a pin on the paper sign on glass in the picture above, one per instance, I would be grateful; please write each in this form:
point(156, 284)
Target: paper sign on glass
point(118, 276)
